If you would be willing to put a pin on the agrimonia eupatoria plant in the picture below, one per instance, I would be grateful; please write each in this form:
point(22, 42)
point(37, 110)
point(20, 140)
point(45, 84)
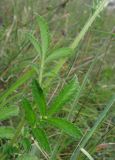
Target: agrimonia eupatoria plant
point(46, 56)
point(46, 115)
point(37, 121)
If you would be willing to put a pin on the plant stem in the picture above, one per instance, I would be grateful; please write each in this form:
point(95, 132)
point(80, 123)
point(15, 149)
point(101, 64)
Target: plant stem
point(88, 24)
point(41, 69)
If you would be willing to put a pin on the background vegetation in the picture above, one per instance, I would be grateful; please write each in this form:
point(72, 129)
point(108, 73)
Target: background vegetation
point(91, 65)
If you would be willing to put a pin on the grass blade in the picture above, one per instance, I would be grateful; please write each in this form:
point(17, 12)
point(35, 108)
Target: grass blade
point(93, 129)
point(87, 154)
point(88, 24)
point(39, 97)
point(66, 127)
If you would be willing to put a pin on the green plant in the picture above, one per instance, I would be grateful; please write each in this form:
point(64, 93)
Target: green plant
point(46, 115)
point(43, 49)
point(39, 114)
point(7, 113)
point(92, 130)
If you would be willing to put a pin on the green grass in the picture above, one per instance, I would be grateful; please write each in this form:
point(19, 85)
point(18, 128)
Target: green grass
point(54, 110)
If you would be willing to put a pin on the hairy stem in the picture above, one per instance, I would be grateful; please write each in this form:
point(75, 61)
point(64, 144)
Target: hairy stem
point(41, 69)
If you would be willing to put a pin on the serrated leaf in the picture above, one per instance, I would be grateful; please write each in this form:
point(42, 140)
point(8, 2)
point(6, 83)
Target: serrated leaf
point(7, 132)
point(35, 43)
point(41, 138)
point(44, 32)
point(8, 112)
point(65, 95)
point(39, 97)
point(29, 113)
point(59, 53)
point(65, 126)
